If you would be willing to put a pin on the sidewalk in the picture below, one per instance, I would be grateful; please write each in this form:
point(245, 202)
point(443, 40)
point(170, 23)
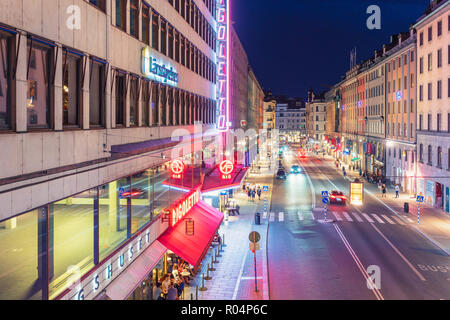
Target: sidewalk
point(433, 224)
point(233, 278)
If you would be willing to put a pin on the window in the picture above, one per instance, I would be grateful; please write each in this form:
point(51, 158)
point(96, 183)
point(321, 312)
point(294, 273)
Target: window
point(405, 83)
point(420, 122)
point(145, 102)
point(420, 93)
point(405, 134)
point(448, 122)
point(99, 4)
point(170, 106)
point(38, 85)
point(421, 152)
point(438, 122)
point(448, 158)
point(7, 44)
point(430, 155)
point(430, 62)
point(439, 28)
point(120, 98)
point(412, 56)
point(430, 91)
point(411, 131)
point(97, 94)
point(145, 24)
point(163, 36)
point(430, 34)
point(134, 18)
point(421, 39)
point(421, 65)
point(439, 157)
point(439, 89)
point(429, 122)
point(72, 101)
point(155, 31)
point(183, 51)
point(163, 106)
point(177, 47)
point(121, 19)
point(155, 104)
point(411, 104)
point(171, 42)
point(134, 96)
point(412, 80)
point(439, 58)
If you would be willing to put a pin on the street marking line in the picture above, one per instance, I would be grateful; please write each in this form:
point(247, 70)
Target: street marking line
point(281, 216)
point(400, 254)
point(300, 216)
point(312, 216)
point(360, 266)
point(357, 217)
point(251, 278)
point(407, 218)
point(365, 215)
point(387, 219)
point(313, 191)
point(347, 216)
point(272, 217)
point(400, 221)
point(338, 218)
point(377, 218)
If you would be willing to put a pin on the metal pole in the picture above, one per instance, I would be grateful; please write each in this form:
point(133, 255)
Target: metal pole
point(208, 277)
point(223, 240)
point(203, 288)
point(212, 265)
point(418, 213)
point(254, 258)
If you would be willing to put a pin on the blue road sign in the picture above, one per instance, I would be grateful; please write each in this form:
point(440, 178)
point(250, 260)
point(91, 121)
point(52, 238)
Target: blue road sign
point(266, 188)
point(325, 200)
point(324, 194)
point(121, 192)
point(419, 199)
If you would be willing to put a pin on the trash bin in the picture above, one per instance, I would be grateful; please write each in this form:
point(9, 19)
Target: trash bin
point(257, 218)
point(406, 207)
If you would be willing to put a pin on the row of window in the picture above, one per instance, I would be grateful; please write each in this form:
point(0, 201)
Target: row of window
point(158, 100)
point(374, 110)
point(430, 60)
point(193, 16)
point(439, 127)
point(399, 109)
point(395, 130)
point(430, 90)
point(430, 156)
point(430, 31)
point(397, 63)
point(77, 233)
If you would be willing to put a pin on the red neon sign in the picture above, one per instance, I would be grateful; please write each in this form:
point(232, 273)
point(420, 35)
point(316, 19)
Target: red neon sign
point(226, 167)
point(179, 210)
point(223, 64)
point(177, 167)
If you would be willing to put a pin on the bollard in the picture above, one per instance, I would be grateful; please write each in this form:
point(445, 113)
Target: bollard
point(215, 256)
point(223, 240)
point(212, 264)
point(203, 288)
point(208, 277)
point(221, 249)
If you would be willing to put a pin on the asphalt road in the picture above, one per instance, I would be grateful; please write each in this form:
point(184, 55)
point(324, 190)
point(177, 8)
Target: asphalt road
point(310, 258)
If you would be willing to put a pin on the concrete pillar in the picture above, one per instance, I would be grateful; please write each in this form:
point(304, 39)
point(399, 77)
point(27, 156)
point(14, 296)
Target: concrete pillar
point(21, 83)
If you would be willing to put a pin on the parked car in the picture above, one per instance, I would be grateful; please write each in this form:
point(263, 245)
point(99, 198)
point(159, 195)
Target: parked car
point(337, 197)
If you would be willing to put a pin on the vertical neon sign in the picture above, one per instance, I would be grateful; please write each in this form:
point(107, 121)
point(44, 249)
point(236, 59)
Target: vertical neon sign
point(223, 64)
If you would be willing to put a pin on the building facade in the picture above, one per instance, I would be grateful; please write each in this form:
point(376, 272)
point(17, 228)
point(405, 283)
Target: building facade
point(433, 104)
point(316, 117)
point(255, 101)
point(89, 104)
point(291, 118)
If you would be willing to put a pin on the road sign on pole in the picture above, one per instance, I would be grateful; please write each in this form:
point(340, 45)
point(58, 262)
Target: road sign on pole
point(324, 194)
point(265, 188)
point(254, 238)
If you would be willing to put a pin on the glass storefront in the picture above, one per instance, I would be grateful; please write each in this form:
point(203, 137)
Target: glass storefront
point(68, 238)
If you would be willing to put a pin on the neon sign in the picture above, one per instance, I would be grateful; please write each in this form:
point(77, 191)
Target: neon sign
point(398, 95)
point(223, 64)
point(226, 167)
point(152, 69)
point(179, 210)
point(177, 167)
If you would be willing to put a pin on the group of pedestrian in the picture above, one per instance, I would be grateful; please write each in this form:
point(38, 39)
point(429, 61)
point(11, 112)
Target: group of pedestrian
point(252, 192)
point(172, 284)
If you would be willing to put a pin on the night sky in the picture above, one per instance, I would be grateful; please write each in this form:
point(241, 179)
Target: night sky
point(293, 45)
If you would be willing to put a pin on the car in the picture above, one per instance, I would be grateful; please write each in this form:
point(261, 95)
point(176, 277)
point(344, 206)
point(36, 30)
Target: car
point(281, 174)
point(337, 197)
point(296, 169)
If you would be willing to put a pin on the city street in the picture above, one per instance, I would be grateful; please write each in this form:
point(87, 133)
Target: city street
point(312, 259)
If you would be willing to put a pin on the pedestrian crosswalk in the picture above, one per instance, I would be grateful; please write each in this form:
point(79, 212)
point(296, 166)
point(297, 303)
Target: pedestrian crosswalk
point(342, 216)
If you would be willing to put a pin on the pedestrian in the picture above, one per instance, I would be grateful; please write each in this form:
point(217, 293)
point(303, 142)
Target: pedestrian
point(397, 189)
point(379, 185)
point(244, 187)
point(172, 293)
point(249, 193)
point(157, 293)
point(383, 190)
point(237, 209)
point(259, 193)
point(253, 194)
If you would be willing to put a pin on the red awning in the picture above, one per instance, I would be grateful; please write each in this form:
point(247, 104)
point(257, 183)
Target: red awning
point(193, 248)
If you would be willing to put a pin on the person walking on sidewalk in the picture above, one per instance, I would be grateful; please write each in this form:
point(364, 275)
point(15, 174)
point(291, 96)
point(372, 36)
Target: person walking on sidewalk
point(383, 191)
point(249, 193)
point(396, 191)
point(253, 194)
point(259, 192)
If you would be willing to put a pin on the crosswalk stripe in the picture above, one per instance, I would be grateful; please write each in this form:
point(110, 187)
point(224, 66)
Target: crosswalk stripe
point(387, 219)
point(300, 216)
point(281, 216)
point(312, 215)
point(357, 217)
point(272, 216)
point(365, 215)
point(338, 218)
point(398, 220)
point(377, 218)
point(347, 216)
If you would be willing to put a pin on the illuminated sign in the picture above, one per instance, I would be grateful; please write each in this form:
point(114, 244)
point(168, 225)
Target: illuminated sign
point(226, 167)
point(179, 210)
point(157, 71)
point(399, 95)
point(223, 64)
point(177, 167)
